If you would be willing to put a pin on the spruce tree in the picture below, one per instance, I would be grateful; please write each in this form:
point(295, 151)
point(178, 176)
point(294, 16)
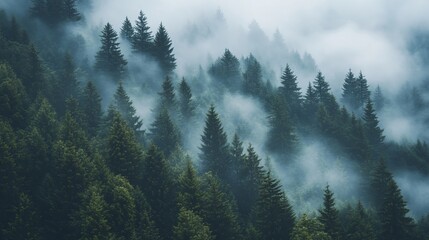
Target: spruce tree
point(274, 217)
point(124, 153)
point(281, 138)
point(310, 105)
point(379, 100)
point(190, 194)
point(358, 224)
point(142, 41)
point(350, 90)
point(329, 215)
point(124, 106)
point(227, 70)
point(109, 58)
point(190, 226)
point(372, 129)
point(290, 91)
point(157, 185)
point(91, 102)
point(168, 96)
point(127, 30)
point(163, 51)
point(218, 211)
point(395, 224)
point(164, 134)
point(252, 77)
point(214, 146)
point(362, 93)
point(187, 105)
point(321, 88)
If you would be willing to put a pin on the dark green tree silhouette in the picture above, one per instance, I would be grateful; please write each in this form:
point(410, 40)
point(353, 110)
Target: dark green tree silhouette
point(252, 77)
point(379, 100)
point(163, 51)
point(164, 134)
point(227, 70)
point(91, 102)
point(274, 217)
point(350, 90)
point(214, 146)
point(372, 129)
point(124, 153)
point(142, 41)
point(109, 58)
point(168, 96)
point(186, 102)
point(190, 194)
point(124, 106)
point(359, 224)
point(329, 215)
point(190, 226)
point(127, 30)
point(290, 91)
point(321, 88)
point(310, 105)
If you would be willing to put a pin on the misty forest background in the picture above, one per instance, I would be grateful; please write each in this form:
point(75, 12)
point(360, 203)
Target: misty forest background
point(224, 153)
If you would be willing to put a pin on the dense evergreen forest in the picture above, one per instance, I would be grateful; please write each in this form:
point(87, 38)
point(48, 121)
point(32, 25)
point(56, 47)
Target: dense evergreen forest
point(79, 161)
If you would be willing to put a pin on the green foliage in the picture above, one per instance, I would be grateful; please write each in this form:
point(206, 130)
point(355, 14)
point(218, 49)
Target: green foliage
point(309, 229)
point(127, 30)
point(358, 224)
point(55, 11)
point(290, 92)
point(164, 134)
point(329, 215)
point(168, 97)
point(186, 102)
point(91, 102)
point(190, 226)
point(124, 106)
point(163, 51)
point(214, 146)
point(227, 70)
point(124, 153)
point(321, 88)
point(252, 77)
point(142, 38)
point(274, 217)
point(218, 210)
point(372, 129)
point(190, 195)
point(109, 58)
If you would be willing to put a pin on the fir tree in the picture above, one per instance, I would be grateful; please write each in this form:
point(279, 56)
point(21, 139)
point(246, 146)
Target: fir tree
point(281, 136)
point(359, 224)
point(127, 30)
point(310, 105)
point(164, 134)
point(362, 93)
point(163, 51)
point(372, 129)
point(350, 90)
point(252, 77)
point(227, 70)
point(395, 224)
point(125, 107)
point(168, 97)
point(187, 105)
point(274, 216)
point(190, 195)
point(218, 211)
point(321, 88)
point(378, 99)
point(109, 58)
point(190, 226)
point(91, 109)
point(214, 146)
point(124, 153)
point(142, 41)
point(329, 215)
point(290, 91)
point(157, 186)
point(309, 229)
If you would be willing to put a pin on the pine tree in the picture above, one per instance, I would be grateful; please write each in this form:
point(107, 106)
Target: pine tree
point(142, 41)
point(157, 186)
point(163, 51)
point(350, 90)
point(378, 99)
point(187, 105)
point(109, 58)
point(127, 30)
point(321, 88)
point(91, 102)
point(124, 106)
point(395, 224)
point(124, 153)
point(309, 229)
point(92, 217)
point(218, 211)
point(190, 195)
point(164, 134)
point(281, 136)
point(329, 215)
point(252, 77)
point(362, 93)
point(227, 70)
point(214, 146)
point(70, 11)
point(168, 97)
point(274, 216)
point(372, 129)
point(290, 91)
point(190, 226)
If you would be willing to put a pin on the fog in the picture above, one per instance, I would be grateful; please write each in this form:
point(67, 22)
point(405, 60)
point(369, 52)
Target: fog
point(330, 36)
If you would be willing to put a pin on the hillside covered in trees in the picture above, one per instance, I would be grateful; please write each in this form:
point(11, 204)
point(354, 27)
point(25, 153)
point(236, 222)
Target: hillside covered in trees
point(105, 133)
